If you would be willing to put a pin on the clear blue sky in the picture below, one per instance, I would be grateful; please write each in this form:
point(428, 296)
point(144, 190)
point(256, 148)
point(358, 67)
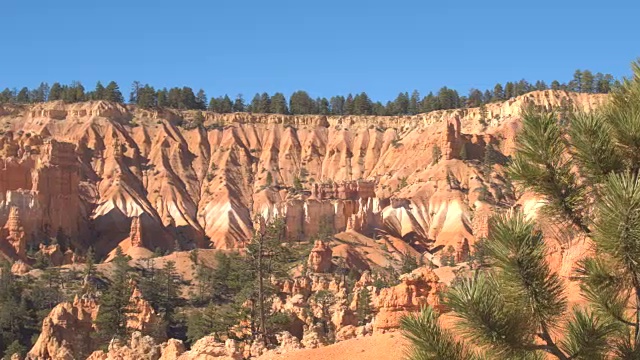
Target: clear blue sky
point(325, 47)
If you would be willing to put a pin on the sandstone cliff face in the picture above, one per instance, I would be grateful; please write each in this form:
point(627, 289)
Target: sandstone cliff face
point(103, 175)
point(39, 192)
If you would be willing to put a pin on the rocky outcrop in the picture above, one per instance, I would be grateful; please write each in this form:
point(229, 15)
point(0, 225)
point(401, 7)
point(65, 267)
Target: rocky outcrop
point(287, 343)
point(66, 331)
point(139, 348)
point(320, 258)
point(417, 289)
point(20, 268)
point(104, 175)
point(135, 235)
point(53, 254)
point(145, 348)
point(143, 318)
point(16, 237)
point(208, 348)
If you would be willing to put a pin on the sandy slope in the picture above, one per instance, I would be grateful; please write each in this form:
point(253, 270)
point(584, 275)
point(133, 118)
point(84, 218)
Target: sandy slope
point(389, 346)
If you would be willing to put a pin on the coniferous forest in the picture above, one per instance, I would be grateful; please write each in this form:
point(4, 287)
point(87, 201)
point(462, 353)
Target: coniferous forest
point(300, 102)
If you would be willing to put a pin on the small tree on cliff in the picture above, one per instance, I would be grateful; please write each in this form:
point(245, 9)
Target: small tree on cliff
point(364, 311)
point(510, 310)
point(269, 180)
point(436, 154)
point(463, 152)
point(114, 302)
point(325, 299)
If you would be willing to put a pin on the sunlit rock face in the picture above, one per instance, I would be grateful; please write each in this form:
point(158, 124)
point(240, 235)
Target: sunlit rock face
point(104, 175)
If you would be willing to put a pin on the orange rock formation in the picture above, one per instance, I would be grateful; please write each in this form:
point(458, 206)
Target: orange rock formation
point(320, 258)
point(100, 172)
point(417, 289)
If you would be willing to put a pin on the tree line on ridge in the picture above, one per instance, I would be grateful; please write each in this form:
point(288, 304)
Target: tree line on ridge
point(300, 102)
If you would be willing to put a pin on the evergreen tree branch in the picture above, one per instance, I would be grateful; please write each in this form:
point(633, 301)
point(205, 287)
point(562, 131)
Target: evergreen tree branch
point(605, 287)
point(487, 319)
point(588, 336)
point(542, 165)
point(517, 249)
point(429, 341)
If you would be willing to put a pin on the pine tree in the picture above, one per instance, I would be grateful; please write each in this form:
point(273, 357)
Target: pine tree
point(436, 154)
point(381, 110)
point(498, 92)
point(213, 319)
point(430, 103)
point(475, 98)
point(162, 98)
point(323, 106)
point(301, 103)
point(23, 96)
point(348, 105)
point(15, 348)
point(265, 103)
point(226, 106)
point(364, 311)
point(114, 302)
point(90, 264)
point(297, 184)
point(509, 91)
point(586, 82)
point(325, 299)
point(487, 97)
point(187, 99)
point(414, 103)
point(41, 93)
point(362, 104)
point(146, 97)
point(73, 93)
point(510, 309)
point(463, 152)
point(6, 96)
point(267, 258)
point(278, 104)
point(508, 312)
point(490, 159)
point(162, 289)
point(201, 100)
point(269, 180)
point(541, 85)
point(238, 104)
point(112, 93)
point(134, 94)
point(99, 92)
point(401, 104)
point(576, 83)
point(56, 92)
point(337, 103)
point(254, 106)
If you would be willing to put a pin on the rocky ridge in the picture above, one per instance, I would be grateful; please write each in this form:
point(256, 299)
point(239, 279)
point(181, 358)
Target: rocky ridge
point(105, 175)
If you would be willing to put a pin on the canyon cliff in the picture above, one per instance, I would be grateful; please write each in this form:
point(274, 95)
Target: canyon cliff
point(103, 175)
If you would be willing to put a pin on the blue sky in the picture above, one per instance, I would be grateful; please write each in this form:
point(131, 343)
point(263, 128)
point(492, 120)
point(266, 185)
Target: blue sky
point(325, 47)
